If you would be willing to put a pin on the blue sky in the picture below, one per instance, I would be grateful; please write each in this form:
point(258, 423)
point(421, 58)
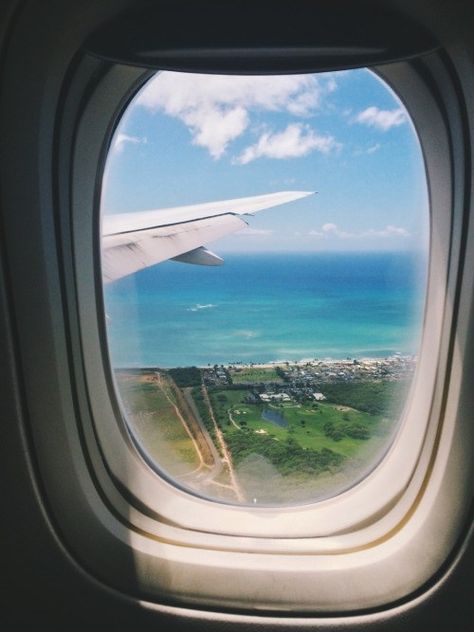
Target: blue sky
point(189, 139)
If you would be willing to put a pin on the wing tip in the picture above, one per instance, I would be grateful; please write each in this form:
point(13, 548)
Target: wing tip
point(295, 195)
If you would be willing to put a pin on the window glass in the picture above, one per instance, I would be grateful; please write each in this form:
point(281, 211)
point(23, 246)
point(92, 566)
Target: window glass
point(263, 348)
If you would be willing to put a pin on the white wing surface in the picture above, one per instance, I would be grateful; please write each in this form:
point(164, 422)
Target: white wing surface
point(133, 241)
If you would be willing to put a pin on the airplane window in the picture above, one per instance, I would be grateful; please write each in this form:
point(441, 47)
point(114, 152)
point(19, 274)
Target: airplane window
point(264, 259)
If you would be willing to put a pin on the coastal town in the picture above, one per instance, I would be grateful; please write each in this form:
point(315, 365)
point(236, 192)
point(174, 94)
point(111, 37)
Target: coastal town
point(292, 381)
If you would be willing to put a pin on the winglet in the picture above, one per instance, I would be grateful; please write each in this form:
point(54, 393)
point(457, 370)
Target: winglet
point(269, 200)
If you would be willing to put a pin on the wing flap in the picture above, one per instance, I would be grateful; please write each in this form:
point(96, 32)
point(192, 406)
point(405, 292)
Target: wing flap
point(200, 256)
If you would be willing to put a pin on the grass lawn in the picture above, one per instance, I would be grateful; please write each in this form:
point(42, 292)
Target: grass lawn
point(305, 422)
point(158, 428)
point(271, 478)
point(254, 375)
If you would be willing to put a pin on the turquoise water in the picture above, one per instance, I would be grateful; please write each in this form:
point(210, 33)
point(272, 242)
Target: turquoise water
point(266, 307)
point(274, 417)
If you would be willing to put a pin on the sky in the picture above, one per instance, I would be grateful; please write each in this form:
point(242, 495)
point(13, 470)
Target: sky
point(190, 138)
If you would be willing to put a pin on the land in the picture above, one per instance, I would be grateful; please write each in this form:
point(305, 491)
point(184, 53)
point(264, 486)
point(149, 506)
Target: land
point(270, 433)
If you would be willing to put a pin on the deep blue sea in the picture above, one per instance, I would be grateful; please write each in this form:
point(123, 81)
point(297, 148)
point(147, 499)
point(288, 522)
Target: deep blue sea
point(267, 307)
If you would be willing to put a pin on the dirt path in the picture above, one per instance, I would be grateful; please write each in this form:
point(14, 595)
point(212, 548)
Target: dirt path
point(216, 468)
point(164, 388)
point(232, 420)
point(225, 450)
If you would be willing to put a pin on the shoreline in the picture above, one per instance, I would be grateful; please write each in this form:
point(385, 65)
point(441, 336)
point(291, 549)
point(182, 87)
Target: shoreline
point(272, 364)
point(317, 361)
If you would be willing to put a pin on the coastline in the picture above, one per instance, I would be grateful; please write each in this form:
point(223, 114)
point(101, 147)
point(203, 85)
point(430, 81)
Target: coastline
point(365, 361)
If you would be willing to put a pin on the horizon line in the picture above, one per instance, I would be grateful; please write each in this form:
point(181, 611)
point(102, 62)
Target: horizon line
point(325, 251)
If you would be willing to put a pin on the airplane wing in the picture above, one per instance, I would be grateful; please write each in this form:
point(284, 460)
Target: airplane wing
point(133, 241)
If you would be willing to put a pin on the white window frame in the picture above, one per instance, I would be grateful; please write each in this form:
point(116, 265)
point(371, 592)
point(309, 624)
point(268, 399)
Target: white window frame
point(372, 545)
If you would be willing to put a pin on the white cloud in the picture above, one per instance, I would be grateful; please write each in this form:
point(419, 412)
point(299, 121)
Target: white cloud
point(122, 139)
point(368, 150)
point(254, 232)
point(373, 148)
point(381, 119)
point(388, 231)
point(216, 108)
point(332, 230)
point(295, 141)
point(214, 129)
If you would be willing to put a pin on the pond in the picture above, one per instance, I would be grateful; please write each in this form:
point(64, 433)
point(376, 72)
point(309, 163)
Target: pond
point(275, 417)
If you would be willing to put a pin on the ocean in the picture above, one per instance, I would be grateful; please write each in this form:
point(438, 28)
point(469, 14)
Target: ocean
point(267, 307)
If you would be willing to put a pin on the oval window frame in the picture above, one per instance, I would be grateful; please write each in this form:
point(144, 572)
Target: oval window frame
point(356, 532)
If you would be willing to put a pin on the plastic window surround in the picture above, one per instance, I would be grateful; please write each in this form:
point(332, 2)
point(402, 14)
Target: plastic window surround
point(380, 540)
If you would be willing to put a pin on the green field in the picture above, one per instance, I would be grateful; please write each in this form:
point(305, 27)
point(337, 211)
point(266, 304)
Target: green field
point(376, 397)
point(313, 455)
point(306, 422)
point(253, 375)
point(156, 424)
